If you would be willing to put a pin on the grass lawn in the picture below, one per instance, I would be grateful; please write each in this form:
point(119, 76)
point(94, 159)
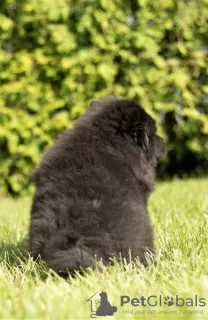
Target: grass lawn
point(179, 213)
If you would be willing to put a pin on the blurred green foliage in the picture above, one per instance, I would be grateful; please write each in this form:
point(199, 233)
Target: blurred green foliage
point(56, 56)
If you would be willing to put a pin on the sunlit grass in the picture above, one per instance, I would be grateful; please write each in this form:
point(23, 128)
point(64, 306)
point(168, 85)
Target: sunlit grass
point(179, 213)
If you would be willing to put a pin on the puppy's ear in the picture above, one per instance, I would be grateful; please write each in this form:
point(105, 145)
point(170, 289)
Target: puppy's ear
point(140, 136)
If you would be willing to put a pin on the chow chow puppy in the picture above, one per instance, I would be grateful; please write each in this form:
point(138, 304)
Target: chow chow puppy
point(92, 188)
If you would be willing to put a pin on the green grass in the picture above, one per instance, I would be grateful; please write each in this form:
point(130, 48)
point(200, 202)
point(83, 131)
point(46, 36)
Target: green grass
point(179, 213)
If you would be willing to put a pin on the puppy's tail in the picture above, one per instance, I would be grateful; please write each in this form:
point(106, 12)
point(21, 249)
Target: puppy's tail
point(68, 251)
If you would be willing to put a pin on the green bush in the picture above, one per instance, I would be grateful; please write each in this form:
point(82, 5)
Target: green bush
point(56, 56)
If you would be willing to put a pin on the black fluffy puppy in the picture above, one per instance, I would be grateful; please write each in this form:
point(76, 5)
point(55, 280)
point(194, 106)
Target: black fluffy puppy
point(93, 186)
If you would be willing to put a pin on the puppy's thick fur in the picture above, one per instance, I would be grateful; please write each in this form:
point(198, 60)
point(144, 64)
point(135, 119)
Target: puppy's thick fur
point(92, 189)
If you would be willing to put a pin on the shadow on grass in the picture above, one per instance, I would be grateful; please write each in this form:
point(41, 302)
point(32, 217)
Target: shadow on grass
point(16, 258)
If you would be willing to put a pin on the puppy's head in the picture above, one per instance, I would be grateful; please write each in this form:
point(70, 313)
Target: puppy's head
point(141, 128)
point(132, 122)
